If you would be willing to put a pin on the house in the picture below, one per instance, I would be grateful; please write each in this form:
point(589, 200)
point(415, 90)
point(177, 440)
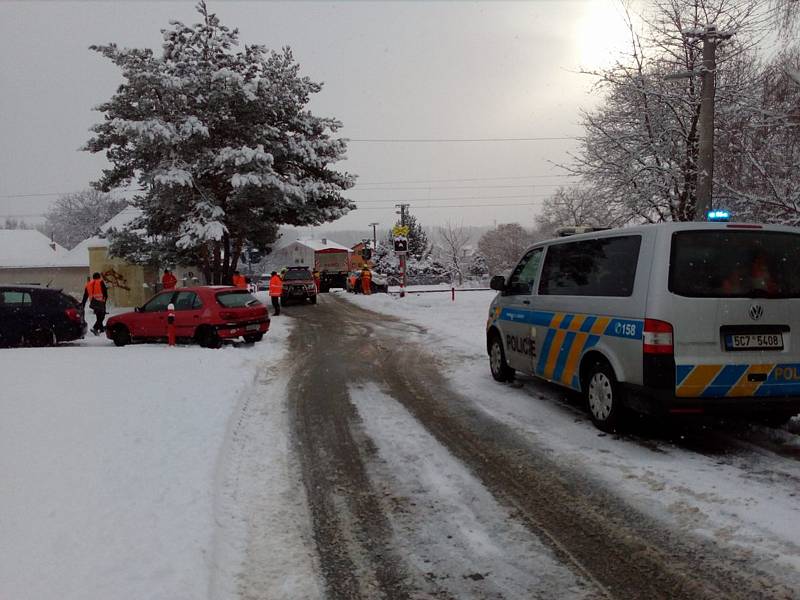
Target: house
point(303, 253)
point(28, 256)
point(357, 255)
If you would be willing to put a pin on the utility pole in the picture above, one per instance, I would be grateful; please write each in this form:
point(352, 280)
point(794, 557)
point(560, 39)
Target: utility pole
point(404, 278)
point(374, 236)
point(403, 208)
point(705, 159)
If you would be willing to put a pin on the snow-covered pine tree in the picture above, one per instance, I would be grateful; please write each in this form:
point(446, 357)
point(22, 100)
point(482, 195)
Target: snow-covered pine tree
point(222, 144)
point(478, 267)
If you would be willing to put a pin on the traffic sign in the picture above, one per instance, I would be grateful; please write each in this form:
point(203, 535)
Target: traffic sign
point(400, 245)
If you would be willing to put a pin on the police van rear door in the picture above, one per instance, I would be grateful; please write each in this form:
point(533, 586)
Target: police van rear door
point(734, 305)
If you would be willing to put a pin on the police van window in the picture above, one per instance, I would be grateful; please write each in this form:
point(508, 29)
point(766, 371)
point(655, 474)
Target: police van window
point(521, 280)
point(158, 303)
point(729, 263)
point(600, 267)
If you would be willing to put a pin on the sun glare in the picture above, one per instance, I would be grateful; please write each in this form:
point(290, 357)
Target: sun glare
point(601, 34)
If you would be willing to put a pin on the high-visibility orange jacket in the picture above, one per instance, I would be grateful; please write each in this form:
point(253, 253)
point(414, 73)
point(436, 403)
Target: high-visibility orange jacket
point(366, 279)
point(239, 281)
point(94, 290)
point(275, 286)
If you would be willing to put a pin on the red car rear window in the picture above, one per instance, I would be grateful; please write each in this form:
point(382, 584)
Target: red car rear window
point(237, 299)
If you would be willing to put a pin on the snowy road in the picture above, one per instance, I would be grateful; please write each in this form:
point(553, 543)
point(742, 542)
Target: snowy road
point(415, 490)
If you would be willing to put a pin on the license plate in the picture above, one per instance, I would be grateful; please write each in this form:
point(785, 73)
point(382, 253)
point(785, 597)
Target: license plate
point(754, 341)
point(253, 327)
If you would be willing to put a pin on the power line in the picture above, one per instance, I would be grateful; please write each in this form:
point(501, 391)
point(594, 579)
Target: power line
point(456, 187)
point(450, 198)
point(463, 179)
point(455, 140)
point(44, 194)
point(451, 206)
point(366, 183)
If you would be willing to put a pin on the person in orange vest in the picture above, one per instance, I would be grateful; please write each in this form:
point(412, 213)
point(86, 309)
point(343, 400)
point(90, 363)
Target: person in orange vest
point(97, 295)
point(275, 291)
point(366, 280)
point(239, 280)
point(168, 280)
point(316, 277)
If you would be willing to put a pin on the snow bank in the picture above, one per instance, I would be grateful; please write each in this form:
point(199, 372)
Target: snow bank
point(108, 463)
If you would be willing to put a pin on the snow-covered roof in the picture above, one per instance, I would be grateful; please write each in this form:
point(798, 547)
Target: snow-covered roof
point(28, 248)
point(323, 244)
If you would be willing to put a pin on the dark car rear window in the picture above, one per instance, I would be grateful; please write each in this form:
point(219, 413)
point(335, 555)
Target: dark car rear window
point(237, 299)
point(734, 263)
point(295, 274)
point(16, 298)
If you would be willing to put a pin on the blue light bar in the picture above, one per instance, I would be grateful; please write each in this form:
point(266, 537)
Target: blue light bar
point(718, 215)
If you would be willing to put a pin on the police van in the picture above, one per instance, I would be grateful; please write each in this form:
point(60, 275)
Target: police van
point(678, 318)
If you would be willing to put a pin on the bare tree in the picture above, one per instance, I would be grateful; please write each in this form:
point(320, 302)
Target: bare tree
point(758, 174)
point(578, 205)
point(75, 217)
point(502, 247)
point(454, 239)
point(12, 223)
point(640, 150)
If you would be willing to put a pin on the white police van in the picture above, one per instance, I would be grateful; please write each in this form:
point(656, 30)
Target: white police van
point(679, 318)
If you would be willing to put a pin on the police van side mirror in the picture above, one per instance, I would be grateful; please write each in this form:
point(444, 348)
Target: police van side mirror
point(498, 283)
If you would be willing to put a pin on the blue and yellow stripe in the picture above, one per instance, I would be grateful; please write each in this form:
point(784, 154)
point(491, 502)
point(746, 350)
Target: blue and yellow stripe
point(569, 336)
point(737, 381)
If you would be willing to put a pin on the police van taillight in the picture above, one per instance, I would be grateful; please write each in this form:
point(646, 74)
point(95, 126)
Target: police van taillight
point(658, 337)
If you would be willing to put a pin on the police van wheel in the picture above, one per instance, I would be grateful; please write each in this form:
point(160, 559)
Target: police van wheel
point(497, 361)
point(603, 397)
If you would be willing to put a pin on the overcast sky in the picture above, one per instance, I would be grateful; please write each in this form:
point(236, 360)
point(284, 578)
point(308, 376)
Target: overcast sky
point(422, 70)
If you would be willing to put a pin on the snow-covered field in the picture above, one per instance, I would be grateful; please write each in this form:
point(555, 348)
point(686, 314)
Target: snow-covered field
point(744, 498)
point(111, 469)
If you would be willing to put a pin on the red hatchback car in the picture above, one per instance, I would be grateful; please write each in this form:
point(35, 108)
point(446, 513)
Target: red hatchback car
point(205, 314)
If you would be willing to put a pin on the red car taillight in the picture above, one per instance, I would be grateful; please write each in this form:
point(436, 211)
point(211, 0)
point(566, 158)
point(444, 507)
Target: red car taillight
point(658, 338)
point(226, 315)
point(73, 314)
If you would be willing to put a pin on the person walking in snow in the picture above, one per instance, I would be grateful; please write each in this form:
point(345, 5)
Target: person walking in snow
point(97, 295)
point(275, 291)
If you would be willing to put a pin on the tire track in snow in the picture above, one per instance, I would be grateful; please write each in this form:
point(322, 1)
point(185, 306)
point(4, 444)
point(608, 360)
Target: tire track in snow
point(445, 522)
point(352, 534)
